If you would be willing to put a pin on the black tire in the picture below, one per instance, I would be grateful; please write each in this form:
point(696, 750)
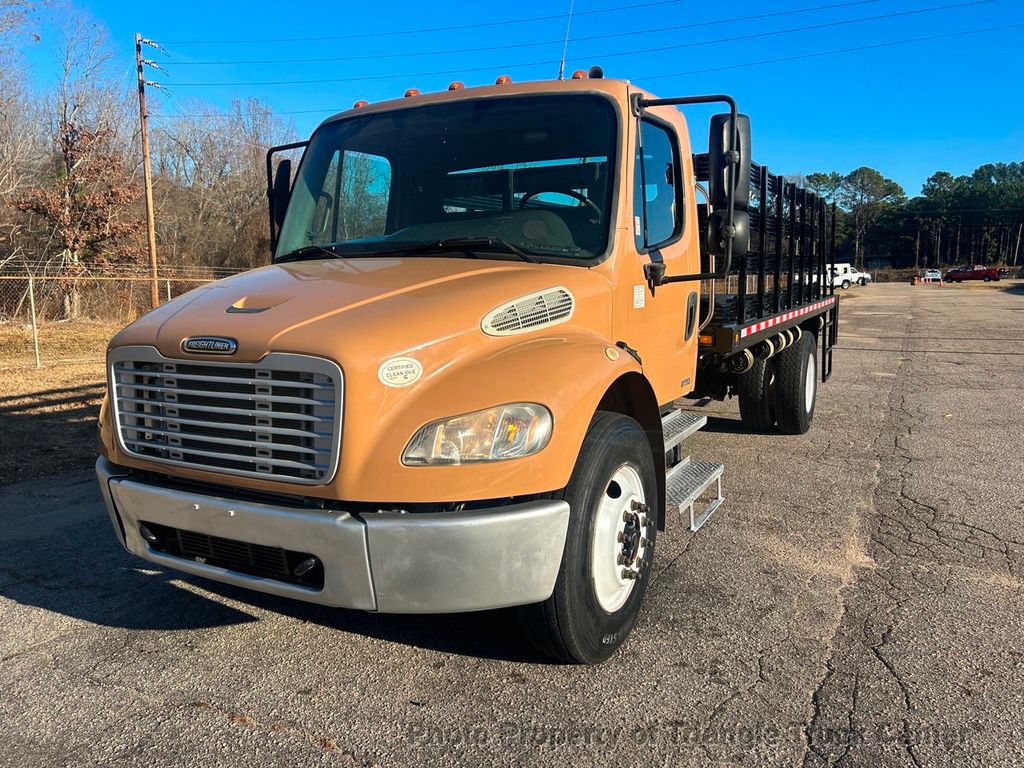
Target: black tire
point(987, 279)
point(862, 281)
point(793, 412)
point(756, 391)
point(846, 284)
point(571, 625)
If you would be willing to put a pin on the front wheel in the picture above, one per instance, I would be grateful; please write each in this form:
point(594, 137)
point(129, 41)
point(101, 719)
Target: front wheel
point(846, 284)
point(987, 279)
point(863, 281)
point(609, 546)
point(796, 386)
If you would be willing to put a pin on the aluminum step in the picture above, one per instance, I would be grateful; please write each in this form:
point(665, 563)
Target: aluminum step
point(690, 479)
point(679, 425)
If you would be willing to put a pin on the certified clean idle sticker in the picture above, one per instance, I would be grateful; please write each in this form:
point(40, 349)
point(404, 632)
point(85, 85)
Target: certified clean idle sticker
point(400, 371)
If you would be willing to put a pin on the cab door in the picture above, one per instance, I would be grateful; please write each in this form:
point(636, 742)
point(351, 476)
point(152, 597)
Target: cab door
point(663, 323)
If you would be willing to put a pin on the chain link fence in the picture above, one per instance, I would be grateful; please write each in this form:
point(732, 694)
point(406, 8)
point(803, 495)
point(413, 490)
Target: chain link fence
point(50, 320)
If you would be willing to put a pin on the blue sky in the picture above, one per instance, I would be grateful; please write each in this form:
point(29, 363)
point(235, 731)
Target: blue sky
point(952, 103)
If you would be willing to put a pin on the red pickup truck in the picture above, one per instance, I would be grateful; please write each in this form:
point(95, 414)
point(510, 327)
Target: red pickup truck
point(977, 272)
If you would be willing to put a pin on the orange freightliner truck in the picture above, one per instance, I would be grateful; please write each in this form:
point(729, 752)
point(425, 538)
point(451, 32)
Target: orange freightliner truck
point(456, 387)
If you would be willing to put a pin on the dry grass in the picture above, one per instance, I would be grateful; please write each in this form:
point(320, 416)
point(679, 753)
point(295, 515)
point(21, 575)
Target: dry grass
point(48, 415)
point(76, 341)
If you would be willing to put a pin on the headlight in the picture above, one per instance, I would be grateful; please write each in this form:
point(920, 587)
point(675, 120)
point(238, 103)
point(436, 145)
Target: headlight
point(506, 432)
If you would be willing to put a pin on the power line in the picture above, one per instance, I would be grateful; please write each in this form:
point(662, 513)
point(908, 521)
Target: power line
point(478, 25)
point(657, 49)
point(653, 30)
point(660, 76)
point(224, 136)
point(833, 52)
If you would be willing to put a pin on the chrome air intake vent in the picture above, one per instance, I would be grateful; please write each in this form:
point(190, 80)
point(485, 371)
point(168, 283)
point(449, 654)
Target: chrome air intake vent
point(536, 310)
point(278, 419)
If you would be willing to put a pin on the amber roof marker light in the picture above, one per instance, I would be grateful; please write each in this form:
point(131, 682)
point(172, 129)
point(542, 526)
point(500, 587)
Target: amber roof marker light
point(360, 103)
point(503, 80)
point(412, 92)
point(579, 74)
point(456, 85)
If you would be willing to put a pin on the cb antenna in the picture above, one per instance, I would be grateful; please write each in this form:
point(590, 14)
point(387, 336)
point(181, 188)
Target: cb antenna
point(565, 46)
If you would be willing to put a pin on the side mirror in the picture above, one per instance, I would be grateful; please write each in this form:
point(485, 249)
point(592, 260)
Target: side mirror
point(282, 191)
point(716, 236)
point(718, 166)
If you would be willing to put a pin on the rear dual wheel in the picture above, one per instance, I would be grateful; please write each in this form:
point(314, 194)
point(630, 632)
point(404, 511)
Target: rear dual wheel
point(781, 391)
point(756, 391)
point(796, 387)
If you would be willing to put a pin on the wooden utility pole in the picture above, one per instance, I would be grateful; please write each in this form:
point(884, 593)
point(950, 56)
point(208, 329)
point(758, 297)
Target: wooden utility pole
point(154, 290)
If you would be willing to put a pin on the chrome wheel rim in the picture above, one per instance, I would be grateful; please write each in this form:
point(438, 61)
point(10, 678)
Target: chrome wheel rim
point(811, 383)
point(620, 538)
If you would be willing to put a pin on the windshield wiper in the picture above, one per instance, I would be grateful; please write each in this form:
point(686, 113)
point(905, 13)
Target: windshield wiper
point(310, 252)
point(470, 246)
point(467, 245)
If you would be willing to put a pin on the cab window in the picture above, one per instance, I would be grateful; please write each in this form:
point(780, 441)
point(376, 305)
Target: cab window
point(657, 198)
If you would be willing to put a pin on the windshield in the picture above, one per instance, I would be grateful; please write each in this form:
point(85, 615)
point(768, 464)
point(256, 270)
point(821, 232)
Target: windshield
point(530, 172)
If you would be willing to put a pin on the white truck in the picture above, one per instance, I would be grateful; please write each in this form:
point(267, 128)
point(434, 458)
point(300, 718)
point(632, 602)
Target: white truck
point(845, 275)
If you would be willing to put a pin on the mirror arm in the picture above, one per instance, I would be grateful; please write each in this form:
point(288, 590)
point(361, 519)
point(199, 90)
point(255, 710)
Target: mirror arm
point(270, 185)
point(732, 157)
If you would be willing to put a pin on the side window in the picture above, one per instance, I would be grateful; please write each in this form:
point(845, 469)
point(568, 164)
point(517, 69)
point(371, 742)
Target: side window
point(323, 224)
point(364, 192)
point(658, 212)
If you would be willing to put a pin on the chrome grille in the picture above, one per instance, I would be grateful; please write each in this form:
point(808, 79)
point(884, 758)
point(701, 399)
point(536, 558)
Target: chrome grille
point(278, 419)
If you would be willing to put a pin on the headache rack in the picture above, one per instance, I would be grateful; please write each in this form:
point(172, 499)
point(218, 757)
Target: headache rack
point(785, 279)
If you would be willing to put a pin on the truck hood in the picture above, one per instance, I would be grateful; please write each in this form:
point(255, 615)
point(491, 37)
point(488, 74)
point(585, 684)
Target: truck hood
point(370, 307)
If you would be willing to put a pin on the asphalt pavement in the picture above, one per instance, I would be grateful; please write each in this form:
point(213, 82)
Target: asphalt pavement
point(856, 601)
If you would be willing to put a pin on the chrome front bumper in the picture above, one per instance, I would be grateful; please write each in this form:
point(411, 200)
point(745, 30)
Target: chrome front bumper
point(386, 561)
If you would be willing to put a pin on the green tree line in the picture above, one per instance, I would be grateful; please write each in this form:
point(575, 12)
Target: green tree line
point(976, 218)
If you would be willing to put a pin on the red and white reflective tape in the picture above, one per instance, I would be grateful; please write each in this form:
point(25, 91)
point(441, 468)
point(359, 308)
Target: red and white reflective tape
point(765, 324)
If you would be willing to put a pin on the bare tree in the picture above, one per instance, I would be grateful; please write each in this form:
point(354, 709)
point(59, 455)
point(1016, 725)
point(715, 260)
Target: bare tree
point(211, 184)
point(19, 137)
point(85, 196)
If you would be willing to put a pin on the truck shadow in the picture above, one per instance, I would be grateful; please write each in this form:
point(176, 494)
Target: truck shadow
point(52, 428)
point(483, 634)
point(722, 425)
point(61, 556)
